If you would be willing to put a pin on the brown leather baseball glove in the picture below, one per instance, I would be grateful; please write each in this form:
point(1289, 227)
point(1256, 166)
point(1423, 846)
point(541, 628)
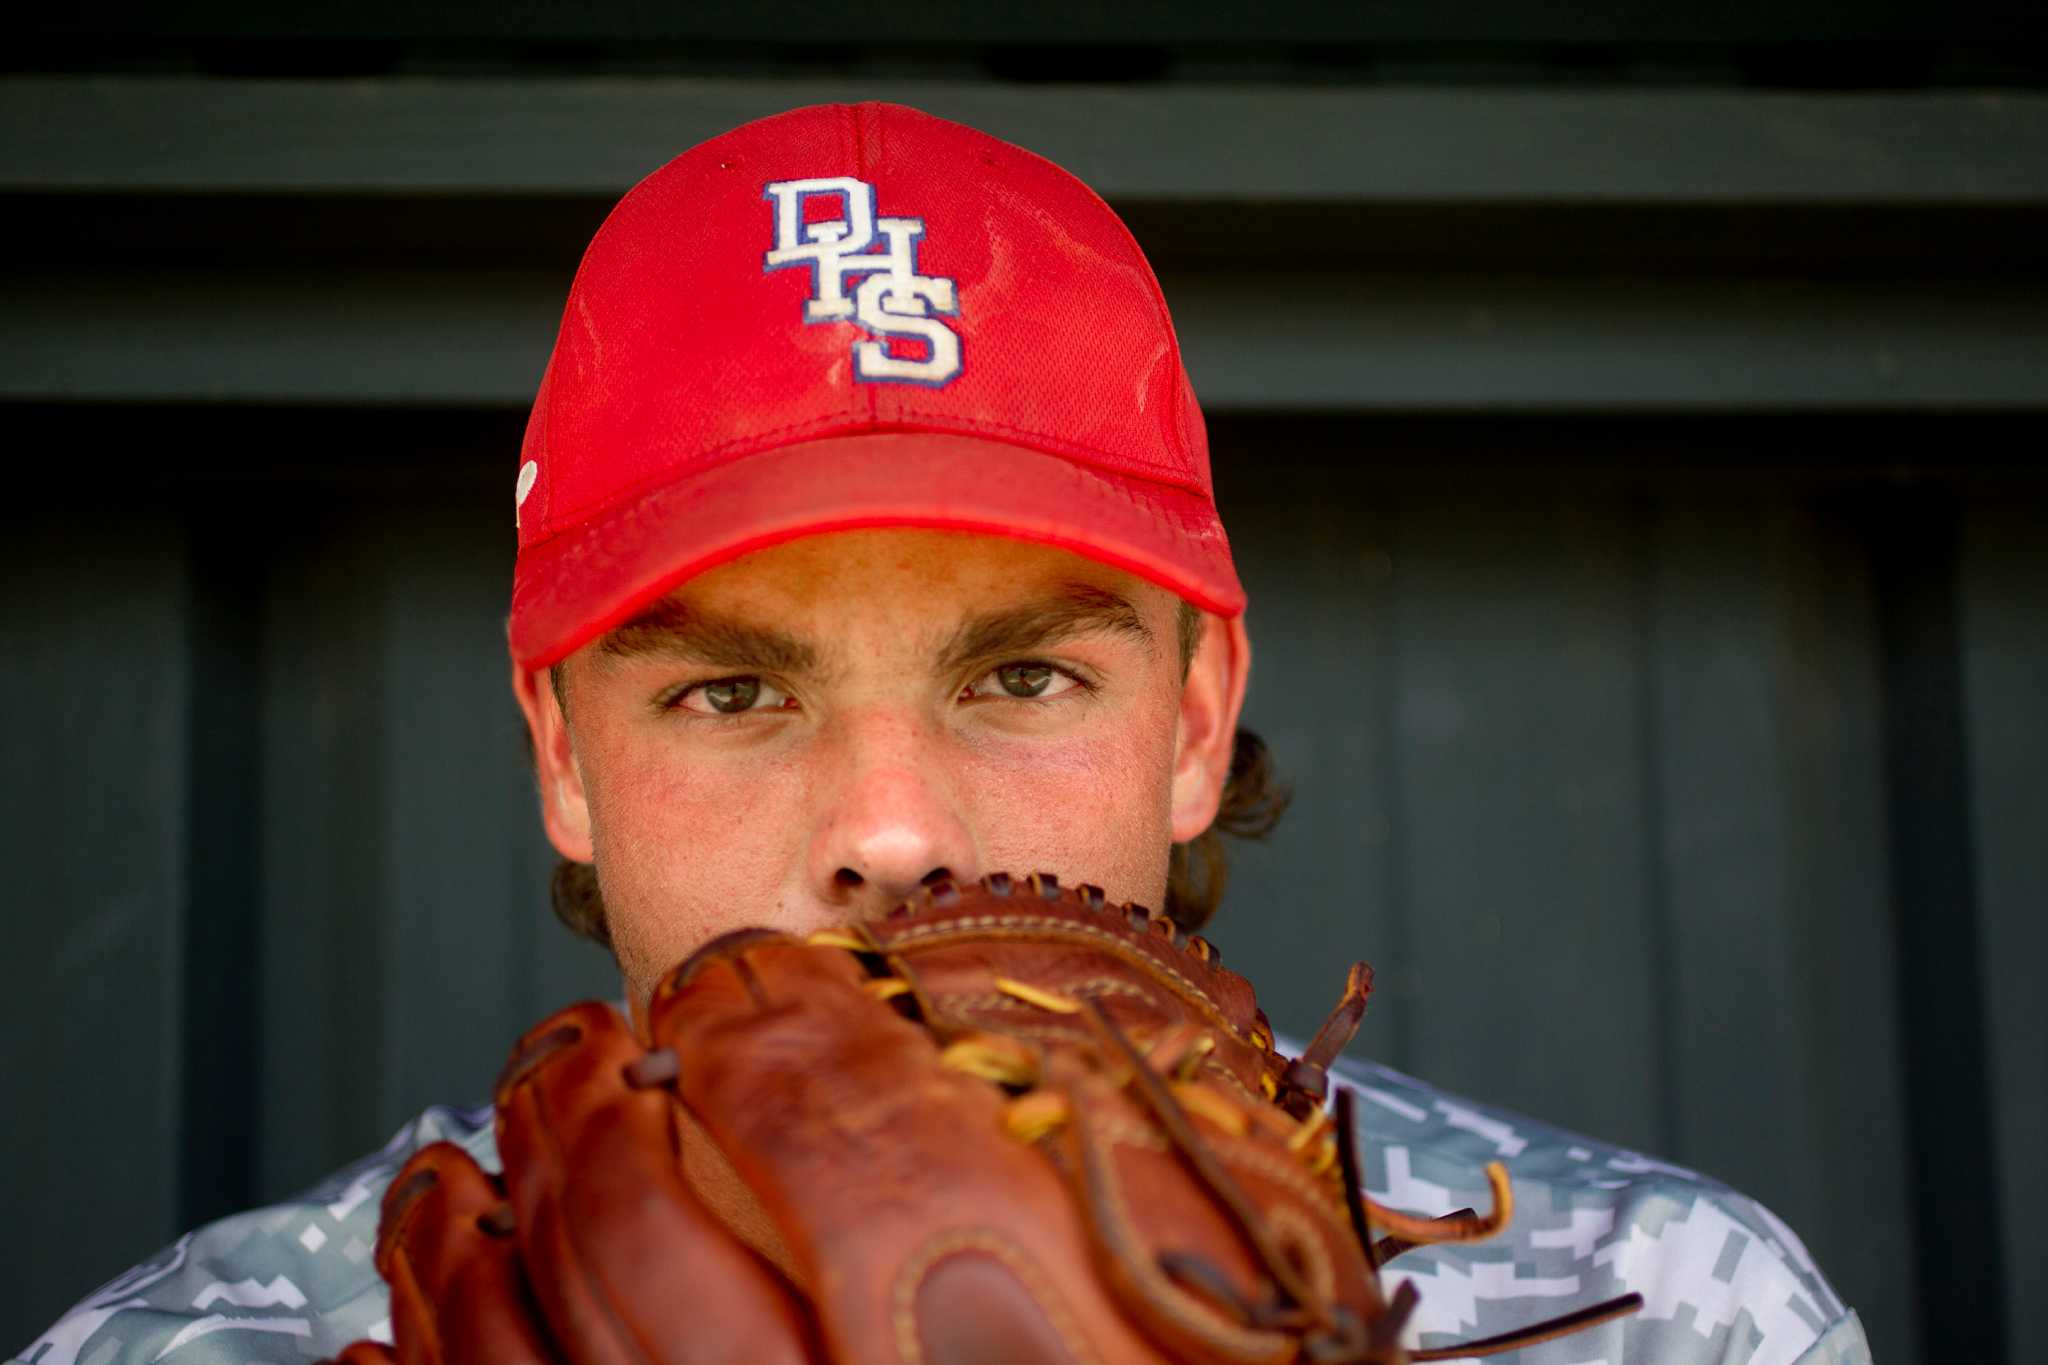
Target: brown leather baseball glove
point(1006, 1123)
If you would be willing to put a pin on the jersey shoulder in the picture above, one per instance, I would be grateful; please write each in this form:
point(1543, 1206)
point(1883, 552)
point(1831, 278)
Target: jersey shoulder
point(1722, 1278)
point(286, 1283)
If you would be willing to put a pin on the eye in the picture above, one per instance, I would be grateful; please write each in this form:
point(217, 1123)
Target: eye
point(1027, 680)
point(733, 697)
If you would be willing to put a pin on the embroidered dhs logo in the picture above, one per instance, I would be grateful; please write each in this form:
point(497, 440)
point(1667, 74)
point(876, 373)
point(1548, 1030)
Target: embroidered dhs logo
point(891, 298)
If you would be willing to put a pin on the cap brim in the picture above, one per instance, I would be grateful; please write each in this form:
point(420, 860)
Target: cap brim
point(573, 588)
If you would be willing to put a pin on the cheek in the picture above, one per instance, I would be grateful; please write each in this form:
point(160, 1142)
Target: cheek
point(686, 850)
point(1096, 808)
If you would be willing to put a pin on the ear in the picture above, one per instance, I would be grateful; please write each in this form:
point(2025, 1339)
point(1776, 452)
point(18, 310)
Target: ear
point(1209, 704)
point(564, 809)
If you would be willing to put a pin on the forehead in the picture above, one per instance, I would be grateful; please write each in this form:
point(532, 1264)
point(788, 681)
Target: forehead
point(835, 568)
point(937, 591)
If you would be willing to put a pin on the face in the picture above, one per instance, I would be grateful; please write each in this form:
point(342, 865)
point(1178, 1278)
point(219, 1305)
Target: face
point(806, 734)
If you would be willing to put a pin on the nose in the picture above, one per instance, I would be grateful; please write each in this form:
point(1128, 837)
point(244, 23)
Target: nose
point(889, 818)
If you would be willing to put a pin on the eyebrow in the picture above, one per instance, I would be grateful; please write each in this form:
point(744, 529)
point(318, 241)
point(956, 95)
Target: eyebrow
point(670, 630)
point(1073, 610)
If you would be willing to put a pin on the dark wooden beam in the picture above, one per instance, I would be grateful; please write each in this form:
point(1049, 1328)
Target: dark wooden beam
point(1138, 144)
point(933, 22)
point(1274, 340)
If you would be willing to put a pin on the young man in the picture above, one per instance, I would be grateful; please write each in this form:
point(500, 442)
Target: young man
point(866, 536)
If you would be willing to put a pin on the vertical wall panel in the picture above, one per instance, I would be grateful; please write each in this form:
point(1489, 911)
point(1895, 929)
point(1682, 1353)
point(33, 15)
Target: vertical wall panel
point(1518, 731)
point(93, 686)
point(1841, 927)
point(1780, 990)
point(408, 936)
point(1311, 541)
point(457, 973)
point(477, 957)
point(2004, 592)
point(1718, 645)
point(1914, 532)
point(223, 872)
point(325, 1090)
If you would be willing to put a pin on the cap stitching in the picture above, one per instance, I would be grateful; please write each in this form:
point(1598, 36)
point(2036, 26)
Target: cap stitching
point(547, 448)
point(873, 112)
point(861, 400)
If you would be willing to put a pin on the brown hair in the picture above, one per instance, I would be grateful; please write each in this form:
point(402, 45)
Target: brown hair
point(1254, 799)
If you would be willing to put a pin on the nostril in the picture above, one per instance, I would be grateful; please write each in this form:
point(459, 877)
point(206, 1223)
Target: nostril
point(846, 878)
point(935, 876)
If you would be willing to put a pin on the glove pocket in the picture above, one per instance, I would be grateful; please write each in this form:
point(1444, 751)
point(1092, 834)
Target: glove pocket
point(1221, 1227)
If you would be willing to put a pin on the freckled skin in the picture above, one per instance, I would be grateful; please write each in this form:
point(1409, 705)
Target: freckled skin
point(878, 770)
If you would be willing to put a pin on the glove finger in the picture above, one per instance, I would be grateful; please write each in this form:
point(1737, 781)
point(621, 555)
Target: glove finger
point(926, 1231)
point(458, 1294)
point(363, 1353)
point(629, 1265)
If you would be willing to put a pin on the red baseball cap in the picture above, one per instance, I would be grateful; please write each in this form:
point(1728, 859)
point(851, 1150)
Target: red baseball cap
point(854, 316)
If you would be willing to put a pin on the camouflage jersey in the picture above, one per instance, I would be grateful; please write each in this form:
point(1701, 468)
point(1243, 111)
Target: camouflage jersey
point(1723, 1281)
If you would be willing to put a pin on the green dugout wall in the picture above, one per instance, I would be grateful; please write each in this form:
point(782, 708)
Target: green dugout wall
point(1630, 430)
